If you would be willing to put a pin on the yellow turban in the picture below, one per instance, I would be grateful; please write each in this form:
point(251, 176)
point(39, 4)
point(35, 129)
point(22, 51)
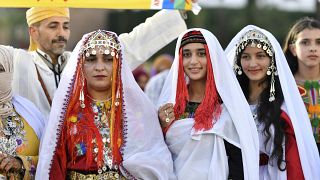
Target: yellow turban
point(37, 14)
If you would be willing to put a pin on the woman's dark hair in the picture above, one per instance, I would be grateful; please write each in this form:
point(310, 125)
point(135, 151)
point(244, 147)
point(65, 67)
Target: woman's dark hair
point(268, 112)
point(300, 25)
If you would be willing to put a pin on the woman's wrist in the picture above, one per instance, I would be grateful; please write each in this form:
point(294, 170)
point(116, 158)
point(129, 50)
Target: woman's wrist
point(22, 169)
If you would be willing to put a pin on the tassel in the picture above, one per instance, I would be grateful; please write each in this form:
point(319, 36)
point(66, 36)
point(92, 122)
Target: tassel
point(182, 95)
point(210, 109)
point(116, 113)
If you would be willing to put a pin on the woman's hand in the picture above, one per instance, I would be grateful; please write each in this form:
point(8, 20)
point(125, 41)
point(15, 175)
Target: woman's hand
point(9, 162)
point(166, 115)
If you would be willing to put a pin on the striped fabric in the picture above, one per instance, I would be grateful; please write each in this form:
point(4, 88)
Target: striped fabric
point(107, 4)
point(309, 91)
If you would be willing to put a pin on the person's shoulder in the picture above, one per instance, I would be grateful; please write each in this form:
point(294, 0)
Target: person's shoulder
point(158, 78)
point(22, 58)
point(16, 53)
point(23, 103)
point(21, 100)
point(66, 55)
point(6, 51)
point(6, 47)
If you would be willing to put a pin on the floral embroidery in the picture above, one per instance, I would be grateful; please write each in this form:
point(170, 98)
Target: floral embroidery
point(12, 134)
point(81, 149)
point(32, 170)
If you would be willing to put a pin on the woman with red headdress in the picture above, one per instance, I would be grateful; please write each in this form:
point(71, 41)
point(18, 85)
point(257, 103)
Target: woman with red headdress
point(204, 114)
point(101, 125)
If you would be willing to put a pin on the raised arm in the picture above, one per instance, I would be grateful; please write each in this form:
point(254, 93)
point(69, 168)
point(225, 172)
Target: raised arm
point(152, 35)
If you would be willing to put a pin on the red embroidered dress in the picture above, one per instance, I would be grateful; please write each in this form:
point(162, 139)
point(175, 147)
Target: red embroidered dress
point(89, 139)
point(81, 138)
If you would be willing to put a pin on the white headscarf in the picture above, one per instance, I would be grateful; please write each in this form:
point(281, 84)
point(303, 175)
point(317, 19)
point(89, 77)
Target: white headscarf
point(231, 95)
point(292, 105)
point(8, 102)
point(144, 152)
point(6, 60)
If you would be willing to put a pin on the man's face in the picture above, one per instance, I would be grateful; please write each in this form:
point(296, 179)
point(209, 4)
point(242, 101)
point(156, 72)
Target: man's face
point(51, 35)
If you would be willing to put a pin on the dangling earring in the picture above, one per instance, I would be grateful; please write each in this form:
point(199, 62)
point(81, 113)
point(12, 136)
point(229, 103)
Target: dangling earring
point(237, 69)
point(81, 97)
point(272, 70)
point(117, 103)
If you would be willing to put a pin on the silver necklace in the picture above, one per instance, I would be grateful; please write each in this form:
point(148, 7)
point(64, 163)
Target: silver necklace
point(101, 120)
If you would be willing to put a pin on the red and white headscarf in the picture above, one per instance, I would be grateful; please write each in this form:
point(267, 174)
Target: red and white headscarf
point(209, 110)
point(229, 90)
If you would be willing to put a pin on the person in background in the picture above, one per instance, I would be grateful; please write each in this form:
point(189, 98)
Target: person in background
point(21, 127)
point(141, 77)
point(302, 50)
point(287, 148)
point(161, 65)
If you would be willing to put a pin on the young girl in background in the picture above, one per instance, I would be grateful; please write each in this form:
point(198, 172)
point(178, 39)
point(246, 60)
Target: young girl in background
point(302, 50)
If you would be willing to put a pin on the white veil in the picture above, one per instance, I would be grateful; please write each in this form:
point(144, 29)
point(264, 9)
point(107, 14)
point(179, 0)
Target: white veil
point(231, 95)
point(144, 152)
point(293, 104)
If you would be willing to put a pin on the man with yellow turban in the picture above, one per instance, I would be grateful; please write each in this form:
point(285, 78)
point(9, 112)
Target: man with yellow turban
point(37, 72)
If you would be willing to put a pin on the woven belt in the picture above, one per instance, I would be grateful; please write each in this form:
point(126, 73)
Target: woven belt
point(110, 175)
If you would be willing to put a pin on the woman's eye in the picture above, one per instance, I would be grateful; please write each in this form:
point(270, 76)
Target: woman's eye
point(91, 58)
point(304, 42)
point(261, 56)
point(107, 58)
point(186, 54)
point(244, 57)
point(202, 54)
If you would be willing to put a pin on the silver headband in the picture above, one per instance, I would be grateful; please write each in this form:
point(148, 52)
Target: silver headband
point(255, 38)
point(103, 41)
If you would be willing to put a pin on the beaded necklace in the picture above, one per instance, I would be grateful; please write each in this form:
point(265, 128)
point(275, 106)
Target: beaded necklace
point(102, 114)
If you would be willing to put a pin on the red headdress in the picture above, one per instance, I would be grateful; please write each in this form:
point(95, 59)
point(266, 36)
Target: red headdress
point(80, 110)
point(210, 108)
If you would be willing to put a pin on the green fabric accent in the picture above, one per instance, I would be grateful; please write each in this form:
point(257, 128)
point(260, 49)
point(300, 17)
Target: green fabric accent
point(316, 85)
point(315, 122)
point(311, 84)
point(190, 110)
point(192, 107)
point(307, 85)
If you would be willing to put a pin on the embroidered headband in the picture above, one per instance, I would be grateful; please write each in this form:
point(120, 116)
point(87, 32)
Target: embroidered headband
point(192, 37)
point(256, 39)
point(104, 42)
